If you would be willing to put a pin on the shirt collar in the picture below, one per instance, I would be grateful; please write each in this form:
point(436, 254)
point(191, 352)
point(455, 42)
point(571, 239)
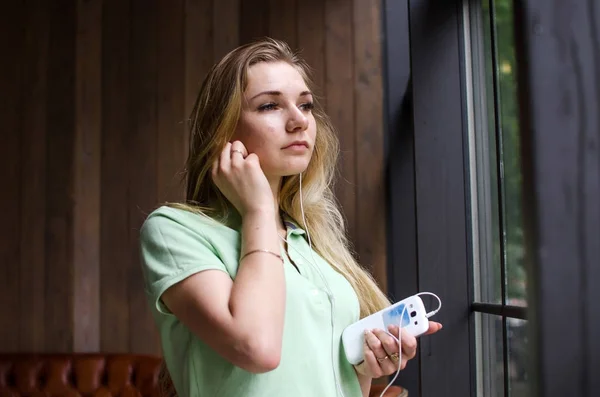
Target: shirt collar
point(292, 226)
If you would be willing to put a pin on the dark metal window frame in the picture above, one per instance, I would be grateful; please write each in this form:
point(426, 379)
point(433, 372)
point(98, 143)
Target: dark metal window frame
point(428, 230)
point(427, 186)
point(558, 55)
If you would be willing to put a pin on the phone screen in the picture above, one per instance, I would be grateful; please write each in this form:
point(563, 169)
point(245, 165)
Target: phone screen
point(392, 316)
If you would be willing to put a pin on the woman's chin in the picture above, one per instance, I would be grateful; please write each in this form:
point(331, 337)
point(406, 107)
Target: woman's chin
point(290, 169)
point(285, 173)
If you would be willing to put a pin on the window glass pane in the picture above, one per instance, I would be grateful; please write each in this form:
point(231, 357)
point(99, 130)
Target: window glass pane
point(518, 357)
point(498, 231)
point(511, 159)
point(490, 361)
point(495, 168)
point(484, 166)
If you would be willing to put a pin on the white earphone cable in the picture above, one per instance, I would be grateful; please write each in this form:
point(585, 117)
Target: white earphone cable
point(313, 263)
point(330, 296)
point(400, 336)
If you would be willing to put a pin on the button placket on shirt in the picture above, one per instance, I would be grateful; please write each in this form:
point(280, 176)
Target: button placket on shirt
point(317, 294)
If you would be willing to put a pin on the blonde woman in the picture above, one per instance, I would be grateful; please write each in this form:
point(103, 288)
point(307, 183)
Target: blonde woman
point(251, 280)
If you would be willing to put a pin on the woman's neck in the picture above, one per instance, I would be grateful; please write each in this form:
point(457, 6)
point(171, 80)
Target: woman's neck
point(275, 184)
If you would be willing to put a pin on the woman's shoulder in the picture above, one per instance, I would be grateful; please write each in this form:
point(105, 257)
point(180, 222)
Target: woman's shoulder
point(172, 234)
point(170, 217)
point(180, 213)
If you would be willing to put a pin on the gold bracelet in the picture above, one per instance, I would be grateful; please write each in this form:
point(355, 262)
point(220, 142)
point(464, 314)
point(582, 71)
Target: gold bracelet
point(265, 251)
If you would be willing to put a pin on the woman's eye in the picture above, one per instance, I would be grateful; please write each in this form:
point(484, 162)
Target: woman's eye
point(267, 106)
point(307, 107)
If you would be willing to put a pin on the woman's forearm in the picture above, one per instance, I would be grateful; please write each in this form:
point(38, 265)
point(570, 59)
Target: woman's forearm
point(257, 301)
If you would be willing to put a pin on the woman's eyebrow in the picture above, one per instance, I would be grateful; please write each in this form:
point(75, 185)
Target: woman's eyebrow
point(278, 93)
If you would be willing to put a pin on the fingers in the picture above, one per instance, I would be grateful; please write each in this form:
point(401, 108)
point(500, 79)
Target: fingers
point(232, 154)
point(409, 342)
point(409, 345)
point(225, 158)
point(239, 148)
point(238, 153)
point(220, 162)
point(381, 349)
point(374, 370)
point(433, 327)
point(389, 344)
point(392, 350)
point(382, 345)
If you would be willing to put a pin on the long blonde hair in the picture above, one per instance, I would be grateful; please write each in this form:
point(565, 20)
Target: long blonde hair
point(212, 124)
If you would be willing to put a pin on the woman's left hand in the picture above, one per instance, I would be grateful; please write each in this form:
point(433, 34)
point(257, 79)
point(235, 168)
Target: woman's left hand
point(381, 350)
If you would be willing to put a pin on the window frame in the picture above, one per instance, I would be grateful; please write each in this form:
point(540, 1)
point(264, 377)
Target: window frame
point(428, 236)
point(429, 240)
point(558, 59)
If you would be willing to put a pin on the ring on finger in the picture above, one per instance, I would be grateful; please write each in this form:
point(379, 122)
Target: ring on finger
point(395, 357)
point(382, 359)
point(237, 151)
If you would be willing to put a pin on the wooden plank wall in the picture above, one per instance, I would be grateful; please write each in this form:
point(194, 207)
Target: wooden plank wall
point(95, 94)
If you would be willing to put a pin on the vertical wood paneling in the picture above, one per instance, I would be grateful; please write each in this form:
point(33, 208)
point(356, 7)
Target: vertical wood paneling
point(86, 199)
point(311, 41)
point(198, 50)
point(171, 127)
point(340, 101)
point(254, 20)
point(59, 169)
point(11, 36)
point(115, 257)
point(226, 26)
point(369, 137)
point(94, 123)
point(33, 178)
point(143, 162)
point(283, 21)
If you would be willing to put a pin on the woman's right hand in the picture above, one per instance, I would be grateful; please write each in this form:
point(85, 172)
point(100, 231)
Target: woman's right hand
point(239, 177)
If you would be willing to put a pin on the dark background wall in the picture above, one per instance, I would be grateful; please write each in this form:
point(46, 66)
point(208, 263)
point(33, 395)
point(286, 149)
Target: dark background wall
point(94, 95)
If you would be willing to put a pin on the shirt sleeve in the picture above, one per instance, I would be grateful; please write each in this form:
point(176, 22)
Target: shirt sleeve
point(170, 252)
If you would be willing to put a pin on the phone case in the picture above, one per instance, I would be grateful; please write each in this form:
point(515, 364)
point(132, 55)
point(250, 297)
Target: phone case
point(414, 322)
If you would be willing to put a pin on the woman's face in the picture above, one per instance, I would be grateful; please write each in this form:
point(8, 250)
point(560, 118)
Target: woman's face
point(276, 122)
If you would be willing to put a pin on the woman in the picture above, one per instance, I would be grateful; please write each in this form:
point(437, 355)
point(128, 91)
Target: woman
point(251, 281)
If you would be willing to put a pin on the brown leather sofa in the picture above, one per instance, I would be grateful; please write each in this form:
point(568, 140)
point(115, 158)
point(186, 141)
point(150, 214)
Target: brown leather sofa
point(82, 374)
point(78, 375)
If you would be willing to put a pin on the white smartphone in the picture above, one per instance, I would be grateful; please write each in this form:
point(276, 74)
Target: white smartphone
point(414, 322)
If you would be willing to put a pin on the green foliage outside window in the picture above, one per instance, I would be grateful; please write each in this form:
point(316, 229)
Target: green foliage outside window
point(505, 71)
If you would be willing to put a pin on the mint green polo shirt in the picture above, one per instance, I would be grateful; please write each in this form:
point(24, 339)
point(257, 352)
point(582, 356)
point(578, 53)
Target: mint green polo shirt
point(176, 244)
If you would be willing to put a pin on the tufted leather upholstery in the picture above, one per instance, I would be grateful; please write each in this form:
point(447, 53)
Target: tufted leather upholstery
point(79, 374)
point(97, 375)
point(393, 391)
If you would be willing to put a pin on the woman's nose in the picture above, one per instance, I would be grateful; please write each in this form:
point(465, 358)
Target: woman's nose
point(297, 121)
